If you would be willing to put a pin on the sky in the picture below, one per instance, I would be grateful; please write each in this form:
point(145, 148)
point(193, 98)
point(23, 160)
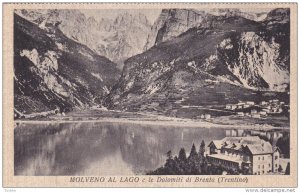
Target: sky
point(151, 14)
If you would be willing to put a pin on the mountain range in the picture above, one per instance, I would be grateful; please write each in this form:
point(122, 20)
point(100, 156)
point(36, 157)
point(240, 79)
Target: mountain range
point(114, 38)
point(187, 57)
point(173, 22)
point(231, 51)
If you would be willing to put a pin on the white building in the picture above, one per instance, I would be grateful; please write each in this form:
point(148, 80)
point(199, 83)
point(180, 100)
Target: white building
point(250, 103)
point(255, 115)
point(264, 103)
point(241, 114)
point(253, 111)
point(263, 113)
point(246, 106)
point(207, 116)
point(228, 106)
point(245, 152)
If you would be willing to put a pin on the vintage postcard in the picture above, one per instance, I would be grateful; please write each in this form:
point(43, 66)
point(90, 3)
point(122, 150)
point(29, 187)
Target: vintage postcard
point(150, 95)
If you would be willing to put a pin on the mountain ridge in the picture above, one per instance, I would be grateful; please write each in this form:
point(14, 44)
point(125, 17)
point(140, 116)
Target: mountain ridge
point(230, 51)
point(115, 39)
point(54, 72)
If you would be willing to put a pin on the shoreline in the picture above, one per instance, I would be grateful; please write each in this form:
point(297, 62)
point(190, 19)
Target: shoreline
point(178, 122)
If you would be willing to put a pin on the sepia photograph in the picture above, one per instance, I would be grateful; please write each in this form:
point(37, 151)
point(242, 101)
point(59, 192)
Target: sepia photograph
point(152, 92)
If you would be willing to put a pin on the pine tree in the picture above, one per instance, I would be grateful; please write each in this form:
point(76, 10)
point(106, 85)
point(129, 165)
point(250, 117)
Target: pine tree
point(177, 168)
point(182, 161)
point(169, 154)
point(169, 167)
point(201, 152)
point(193, 152)
point(193, 162)
point(202, 148)
point(182, 155)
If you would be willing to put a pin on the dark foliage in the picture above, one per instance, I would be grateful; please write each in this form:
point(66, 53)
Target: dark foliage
point(283, 144)
point(287, 170)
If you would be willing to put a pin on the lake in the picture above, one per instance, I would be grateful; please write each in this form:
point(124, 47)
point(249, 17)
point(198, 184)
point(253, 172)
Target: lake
point(98, 148)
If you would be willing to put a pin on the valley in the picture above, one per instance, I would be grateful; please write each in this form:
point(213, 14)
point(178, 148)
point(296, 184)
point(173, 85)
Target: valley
point(121, 92)
point(189, 65)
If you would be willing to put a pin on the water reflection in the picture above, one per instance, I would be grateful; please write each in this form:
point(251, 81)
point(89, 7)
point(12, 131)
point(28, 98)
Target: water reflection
point(100, 148)
point(269, 135)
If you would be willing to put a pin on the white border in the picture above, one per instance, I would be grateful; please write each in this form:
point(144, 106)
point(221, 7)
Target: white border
point(129, 190)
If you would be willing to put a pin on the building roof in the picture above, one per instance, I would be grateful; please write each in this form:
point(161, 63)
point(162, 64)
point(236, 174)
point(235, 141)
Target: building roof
point(254, 144)
point(247, 139)
point(217, 143)
point(235, 159)
point(264, 148)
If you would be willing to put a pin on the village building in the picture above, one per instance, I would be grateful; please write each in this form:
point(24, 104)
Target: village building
point(249, 152)
point(250, 103)
point(240, 106)
point(253, 111)
point(231, 107)
point(256, 115)
point(276, 110)
point(268, 107)
point(207, 116)
point(263, 103)
point(241, 114)
point(266, 110)
point(246, 106)
point(263, 113)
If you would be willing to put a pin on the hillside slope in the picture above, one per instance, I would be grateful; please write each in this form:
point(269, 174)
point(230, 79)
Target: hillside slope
point(225, 59)
point(52, 71)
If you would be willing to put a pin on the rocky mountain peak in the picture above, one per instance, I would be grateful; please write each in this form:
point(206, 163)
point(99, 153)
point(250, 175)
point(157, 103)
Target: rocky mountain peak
point(173, 22)
point(116, 39)
point(255, 16)
point(226, 12)
point(191, 53)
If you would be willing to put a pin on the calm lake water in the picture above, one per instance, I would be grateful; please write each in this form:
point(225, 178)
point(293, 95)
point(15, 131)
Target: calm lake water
point(101, 148)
